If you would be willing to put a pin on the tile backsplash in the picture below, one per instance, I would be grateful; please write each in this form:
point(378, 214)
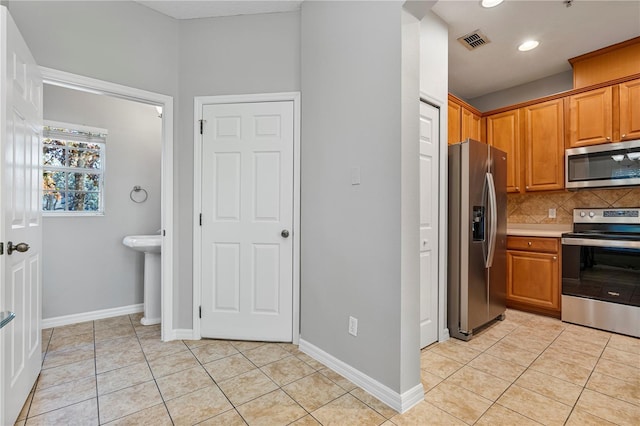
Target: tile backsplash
point(534, 207)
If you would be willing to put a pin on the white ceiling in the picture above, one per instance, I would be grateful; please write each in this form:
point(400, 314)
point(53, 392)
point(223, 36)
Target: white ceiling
point(190, 9)
point(563, 32)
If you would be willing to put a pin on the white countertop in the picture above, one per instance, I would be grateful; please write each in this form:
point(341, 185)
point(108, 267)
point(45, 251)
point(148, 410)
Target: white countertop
point(538, 230)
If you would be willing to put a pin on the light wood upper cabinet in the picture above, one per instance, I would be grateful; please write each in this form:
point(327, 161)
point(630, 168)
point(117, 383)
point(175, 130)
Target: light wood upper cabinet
point(463, 121)
point(503, 132)
point(629, 110)
point(471, 125)
point(591, 117)
point(544, 145)
point(454, 122)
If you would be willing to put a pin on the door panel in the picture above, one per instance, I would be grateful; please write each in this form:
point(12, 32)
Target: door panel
point(477, 297)
point(591, 117)
point(247, 204)
point(544, 145)
point(503, 132)
point(20, 285)
point(429, 172)
point(630, 110)
point(498, 271)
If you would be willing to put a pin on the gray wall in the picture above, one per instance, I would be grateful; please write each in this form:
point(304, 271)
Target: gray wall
point(127, 43)
point(222, 56)
point(351, 235)
point(409, 308)
point(85, 266)
point(524, 92)
point(118, 41)
point(434, 81)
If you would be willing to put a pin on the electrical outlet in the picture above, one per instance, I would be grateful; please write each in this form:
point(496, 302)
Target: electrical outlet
point(353, 326)
point(552, 213)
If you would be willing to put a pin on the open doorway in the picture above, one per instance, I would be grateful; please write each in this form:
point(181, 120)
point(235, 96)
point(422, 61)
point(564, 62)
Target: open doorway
point(139, 154)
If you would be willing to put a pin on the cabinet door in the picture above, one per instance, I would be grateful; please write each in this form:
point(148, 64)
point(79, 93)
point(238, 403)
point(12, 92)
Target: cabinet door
point(544, 146)
point(533, 279)
point(590, 117)
point(503, 132)
point(471, 125)
point(630, 110)
point(454, 124)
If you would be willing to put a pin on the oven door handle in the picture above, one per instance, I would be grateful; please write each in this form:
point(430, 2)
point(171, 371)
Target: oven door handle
point(571, 241)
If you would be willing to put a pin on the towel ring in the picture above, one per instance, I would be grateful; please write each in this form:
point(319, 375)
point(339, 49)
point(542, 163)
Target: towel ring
point(137, 189)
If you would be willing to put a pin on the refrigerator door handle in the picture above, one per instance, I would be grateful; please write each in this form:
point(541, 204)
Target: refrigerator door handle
point(493, 220)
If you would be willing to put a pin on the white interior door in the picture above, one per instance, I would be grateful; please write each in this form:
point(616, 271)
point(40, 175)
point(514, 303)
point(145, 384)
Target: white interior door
point(20, 220)
point(429, 172)
point(247, 218)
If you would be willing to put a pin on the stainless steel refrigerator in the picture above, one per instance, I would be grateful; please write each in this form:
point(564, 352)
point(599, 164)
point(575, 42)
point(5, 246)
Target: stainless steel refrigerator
point(477, 277)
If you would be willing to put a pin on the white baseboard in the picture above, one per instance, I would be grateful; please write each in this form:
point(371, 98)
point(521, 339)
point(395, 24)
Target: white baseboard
point(399, 402)
point(91, 316)
point(183, 334)
point(444, 335)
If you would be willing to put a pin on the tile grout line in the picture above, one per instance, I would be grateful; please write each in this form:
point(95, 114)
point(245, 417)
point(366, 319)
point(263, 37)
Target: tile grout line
point(233, 407)
point(587, 382)
point(524, 371)
point(512, 382)
point(95, 369)
point(573, 407)
point(164, 403)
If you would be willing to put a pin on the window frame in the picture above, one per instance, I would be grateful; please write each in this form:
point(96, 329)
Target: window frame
point(98, 136)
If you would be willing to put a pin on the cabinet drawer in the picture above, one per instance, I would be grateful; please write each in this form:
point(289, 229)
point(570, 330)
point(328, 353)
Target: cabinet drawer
point(548, 245)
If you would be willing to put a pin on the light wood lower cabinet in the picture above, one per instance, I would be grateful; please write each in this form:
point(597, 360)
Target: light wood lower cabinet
point(533, 274)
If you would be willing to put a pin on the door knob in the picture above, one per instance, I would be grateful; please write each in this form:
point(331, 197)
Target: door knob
point(21, 247)
point(285, 233)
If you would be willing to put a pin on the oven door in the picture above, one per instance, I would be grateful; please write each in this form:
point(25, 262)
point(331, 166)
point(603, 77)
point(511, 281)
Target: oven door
point(601, 283)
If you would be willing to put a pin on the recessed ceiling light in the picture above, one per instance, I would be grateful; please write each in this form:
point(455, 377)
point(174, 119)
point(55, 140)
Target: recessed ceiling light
point(491, 3)
point(528, 45)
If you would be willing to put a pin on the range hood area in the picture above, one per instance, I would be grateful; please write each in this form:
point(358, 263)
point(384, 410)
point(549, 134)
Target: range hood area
point(603, 166)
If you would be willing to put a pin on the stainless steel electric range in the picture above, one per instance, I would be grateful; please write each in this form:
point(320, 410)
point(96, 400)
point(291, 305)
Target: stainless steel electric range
point(601, 270)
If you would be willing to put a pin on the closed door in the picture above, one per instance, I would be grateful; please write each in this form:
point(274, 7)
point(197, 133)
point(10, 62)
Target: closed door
point(591, 117)
point(630, 110)
point(429, 172)
point(454, 123)
point(544, 146)
point(20, 219)
point(471, 126)
point(503, 132)
point(247, 218)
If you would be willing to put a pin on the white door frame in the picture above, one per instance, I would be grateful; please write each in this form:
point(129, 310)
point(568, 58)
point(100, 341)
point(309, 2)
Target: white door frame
point(199, 103)
point(99, 87)
point(443, 331)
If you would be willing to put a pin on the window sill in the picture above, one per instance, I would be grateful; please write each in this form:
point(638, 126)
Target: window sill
point(84, 214)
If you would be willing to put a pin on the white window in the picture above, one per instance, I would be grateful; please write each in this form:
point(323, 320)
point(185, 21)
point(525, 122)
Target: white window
point(73, 159)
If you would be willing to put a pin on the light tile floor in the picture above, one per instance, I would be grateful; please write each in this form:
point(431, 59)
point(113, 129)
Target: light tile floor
point(525, 370)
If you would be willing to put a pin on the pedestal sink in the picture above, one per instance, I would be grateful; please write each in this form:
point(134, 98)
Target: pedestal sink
point(151, 246)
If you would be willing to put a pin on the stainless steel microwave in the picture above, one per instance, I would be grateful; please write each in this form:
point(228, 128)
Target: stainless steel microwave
point(603, 166)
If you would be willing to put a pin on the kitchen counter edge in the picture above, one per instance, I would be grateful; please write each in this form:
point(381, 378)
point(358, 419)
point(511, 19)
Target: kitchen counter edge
point(527, 230)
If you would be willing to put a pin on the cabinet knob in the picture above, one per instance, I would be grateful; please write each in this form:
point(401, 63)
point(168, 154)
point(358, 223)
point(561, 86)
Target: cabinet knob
point(526, 187)
point(608, 138)
point(555, 257)
point(517, 188)
point(624, 136)
point(529, 243)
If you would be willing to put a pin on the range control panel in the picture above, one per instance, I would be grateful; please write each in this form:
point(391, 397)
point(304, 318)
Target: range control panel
point(627, 215)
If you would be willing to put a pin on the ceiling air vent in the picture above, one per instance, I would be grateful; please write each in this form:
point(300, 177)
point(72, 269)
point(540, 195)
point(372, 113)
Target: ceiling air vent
point(474, 40)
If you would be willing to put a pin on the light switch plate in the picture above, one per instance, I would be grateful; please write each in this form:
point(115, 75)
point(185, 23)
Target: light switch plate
point(552, 213)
